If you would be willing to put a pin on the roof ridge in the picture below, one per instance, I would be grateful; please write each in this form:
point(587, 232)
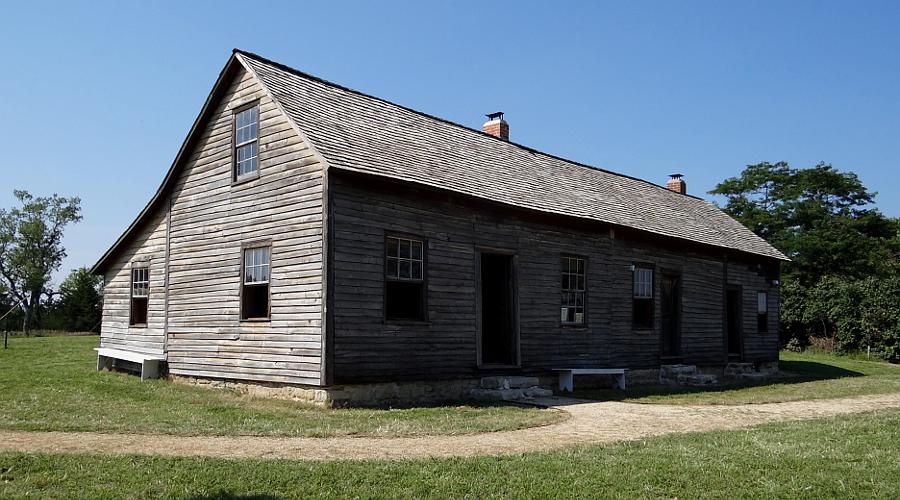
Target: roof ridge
point(329, 83)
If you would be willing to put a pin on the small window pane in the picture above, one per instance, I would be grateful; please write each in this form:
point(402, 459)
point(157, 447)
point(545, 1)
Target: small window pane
point(404, 249)
point(392, 245)
point(405, 268)
point(392, 268)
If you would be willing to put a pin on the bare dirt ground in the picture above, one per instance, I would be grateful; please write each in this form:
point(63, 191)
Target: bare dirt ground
point(589, 422)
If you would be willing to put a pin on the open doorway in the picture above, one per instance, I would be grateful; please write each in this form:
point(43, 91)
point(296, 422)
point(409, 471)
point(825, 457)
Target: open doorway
point(670, 297)
point(733, 322)
point(497, 309)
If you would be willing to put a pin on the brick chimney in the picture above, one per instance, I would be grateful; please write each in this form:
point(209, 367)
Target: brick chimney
point(677, 184)
point(496, 126)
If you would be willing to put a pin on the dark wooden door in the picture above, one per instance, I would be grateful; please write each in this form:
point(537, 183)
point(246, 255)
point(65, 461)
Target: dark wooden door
point(733, 322)
point(498, 310)
point(670, 296)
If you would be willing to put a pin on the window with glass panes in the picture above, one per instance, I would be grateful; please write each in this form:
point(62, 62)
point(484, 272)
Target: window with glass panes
point(642, 297)
point(140, 293)
point(246, 148)
point(762, 312)
point(404, 274)
point(574, 292)
point(255, 283)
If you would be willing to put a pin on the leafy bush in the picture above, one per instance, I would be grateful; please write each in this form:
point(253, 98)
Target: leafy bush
point(856, 314)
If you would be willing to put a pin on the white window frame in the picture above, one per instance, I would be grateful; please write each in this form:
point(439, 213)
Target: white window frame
point(569, 295)
point(410, 261)
point(140, 289)
point(643, 283)
point(259, 270)
point(249, 143)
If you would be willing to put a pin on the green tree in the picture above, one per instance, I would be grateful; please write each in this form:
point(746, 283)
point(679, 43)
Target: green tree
point(843, 281)
point(820, 217)
point(80, 301)
point(31, 247)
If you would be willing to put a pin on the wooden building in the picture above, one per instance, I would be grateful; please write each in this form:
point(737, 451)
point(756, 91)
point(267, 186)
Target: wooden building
point(310, 234)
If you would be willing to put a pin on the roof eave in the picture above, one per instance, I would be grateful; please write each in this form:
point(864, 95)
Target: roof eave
point(218, 88)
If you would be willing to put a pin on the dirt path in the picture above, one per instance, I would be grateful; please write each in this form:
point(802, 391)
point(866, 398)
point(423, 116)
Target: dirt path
point(590, 422)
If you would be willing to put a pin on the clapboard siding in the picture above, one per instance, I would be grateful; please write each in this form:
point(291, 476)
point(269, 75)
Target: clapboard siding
point(757, 346)
point(147, 249)
point(366, 348)
point(483, 193)
point(211, 217)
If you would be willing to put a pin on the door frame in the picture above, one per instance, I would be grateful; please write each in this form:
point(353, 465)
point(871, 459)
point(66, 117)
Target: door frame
point(740, 323)
point(514, 289)
point(664, 274)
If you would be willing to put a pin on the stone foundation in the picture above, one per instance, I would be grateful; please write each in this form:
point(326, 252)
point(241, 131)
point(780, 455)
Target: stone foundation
point(686, 375)
point(509, 388)
point(386, 394)
point(400, 394)
point(305, 394)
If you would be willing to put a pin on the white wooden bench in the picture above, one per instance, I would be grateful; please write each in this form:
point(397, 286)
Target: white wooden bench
point(149, 362)
point(567, 376)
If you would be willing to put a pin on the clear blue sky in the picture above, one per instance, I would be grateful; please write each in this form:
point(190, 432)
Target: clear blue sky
point(98, 97)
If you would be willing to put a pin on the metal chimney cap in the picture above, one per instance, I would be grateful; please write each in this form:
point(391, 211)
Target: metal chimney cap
point(498, 115)
point(676, 176)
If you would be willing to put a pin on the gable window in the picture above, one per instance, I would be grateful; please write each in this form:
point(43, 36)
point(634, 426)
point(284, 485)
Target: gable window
point(140, 292)
point(246, 147)
point(762, 312)
point(642, 297)
point(573, 291)
point(404, 275)
point(255, 283)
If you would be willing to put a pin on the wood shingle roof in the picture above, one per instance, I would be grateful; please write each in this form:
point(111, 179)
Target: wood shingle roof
point(361, 133)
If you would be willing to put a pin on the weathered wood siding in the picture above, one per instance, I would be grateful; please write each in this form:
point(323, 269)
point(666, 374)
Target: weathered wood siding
point(752, 278)
point(210, 219)
point(147, 249)
point(367, 348)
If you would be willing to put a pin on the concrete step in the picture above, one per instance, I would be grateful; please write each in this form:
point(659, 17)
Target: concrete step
point(675, 374)
point(735, 370)
point(537, 392)
point(499, 389)
point(507, 382)
point(675, 370)
point(699, 379)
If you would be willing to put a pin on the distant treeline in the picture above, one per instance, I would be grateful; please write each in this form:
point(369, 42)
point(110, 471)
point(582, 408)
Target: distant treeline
point(76, 306)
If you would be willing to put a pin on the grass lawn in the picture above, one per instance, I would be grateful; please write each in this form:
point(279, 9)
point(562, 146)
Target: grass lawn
point(808, 376)
point(847, 457)
point(50, 383)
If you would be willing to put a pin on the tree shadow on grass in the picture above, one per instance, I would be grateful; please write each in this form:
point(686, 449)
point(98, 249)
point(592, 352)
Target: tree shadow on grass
point(791, 372)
